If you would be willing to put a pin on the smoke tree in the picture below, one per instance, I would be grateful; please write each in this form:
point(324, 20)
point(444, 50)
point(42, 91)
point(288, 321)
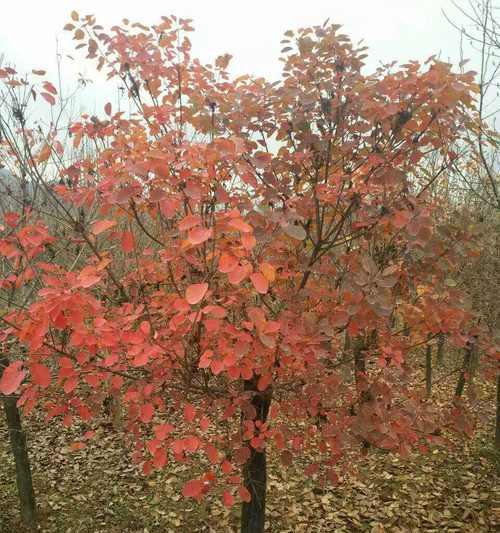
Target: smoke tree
point(255, 263)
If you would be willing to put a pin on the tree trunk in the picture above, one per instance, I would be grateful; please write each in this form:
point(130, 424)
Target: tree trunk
point(497, 424)
point(359, 356)
point(440, 349)
point(358, 346)
point(253, 513)
point(428, 371)
point(465, 368)
point(21, 458)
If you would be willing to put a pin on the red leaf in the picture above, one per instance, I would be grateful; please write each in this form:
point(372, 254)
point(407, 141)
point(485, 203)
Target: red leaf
point(400, 219)
point(212, 453)
point(311, 469)
point(49, 87)
point(49, 98)
point(107, 109)
point(44, 153)
point(40, 375)
point(12, 377)
point(199, 235)
point(86, 280)
point(248, 241)
point(228, 499)
point(70, 385)
point(240, 225)
point(193, 488)
point(339, 318)
point(269, 271)
point(204, 423)
point(162, 431)
point(147, 467)
point(111, 359)
point(11, 218)
point(189, 221)
point(227, 263)
point(140, 359)
point(189, 412)
point(196, 292)
point(88, 277)
point(217, 366)
point(168, 207)
point(260, 283)
point(205, 359)
point(237, 275)
point(102, 225)
point(244, 494)
point(127, 242)
point(147, 411)
point(178, 446)
point(264, 382)
point(192, 443)
point(160, 458)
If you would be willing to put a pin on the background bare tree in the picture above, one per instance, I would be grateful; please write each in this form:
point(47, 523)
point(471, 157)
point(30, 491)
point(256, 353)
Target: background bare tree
point(477, 173)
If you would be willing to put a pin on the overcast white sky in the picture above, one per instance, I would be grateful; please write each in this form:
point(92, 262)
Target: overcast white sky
point(250, 30)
